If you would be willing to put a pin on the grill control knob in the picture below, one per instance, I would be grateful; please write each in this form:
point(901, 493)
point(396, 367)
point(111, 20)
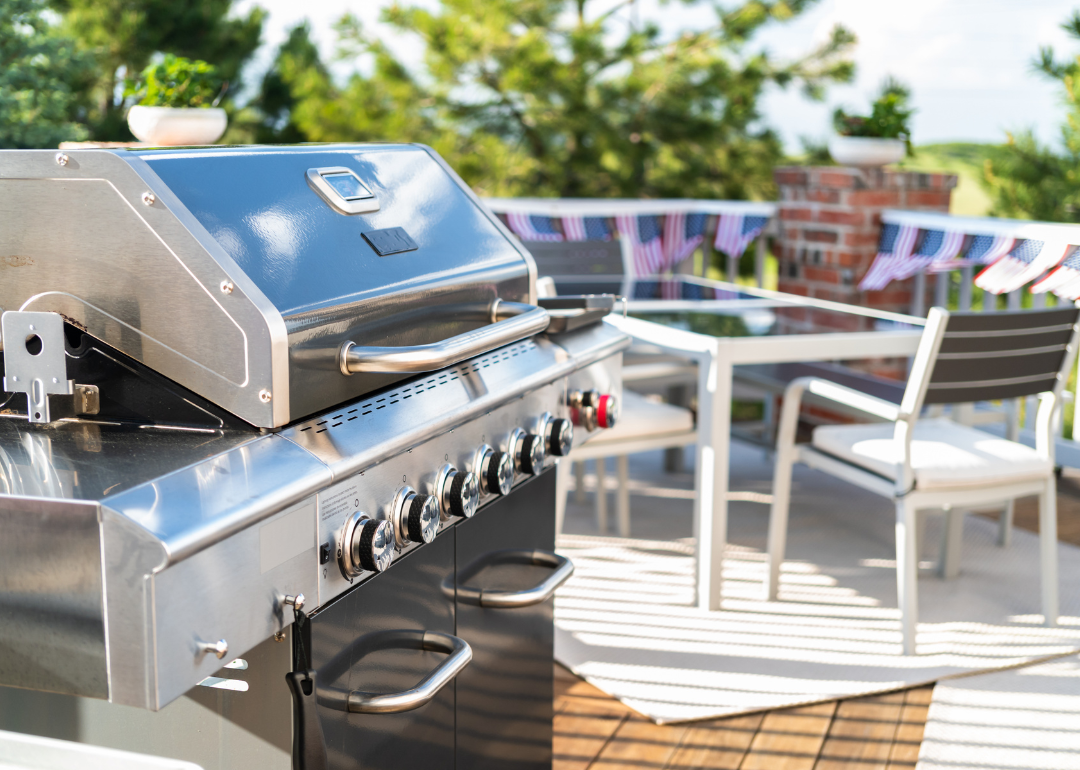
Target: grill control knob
point(416, 517)
point(365, 544)
point(528, 452)
point(559, 435)
point(459, 492)
point(532, 454)
point(496, 471)
point(607, 411)
point(592, 410)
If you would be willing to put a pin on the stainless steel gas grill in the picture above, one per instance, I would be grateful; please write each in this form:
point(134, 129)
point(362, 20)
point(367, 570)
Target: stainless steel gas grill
point(276, 437)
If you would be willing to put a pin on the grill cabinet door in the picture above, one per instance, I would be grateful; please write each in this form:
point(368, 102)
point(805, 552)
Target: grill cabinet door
point(504, 698)
point(408, 596)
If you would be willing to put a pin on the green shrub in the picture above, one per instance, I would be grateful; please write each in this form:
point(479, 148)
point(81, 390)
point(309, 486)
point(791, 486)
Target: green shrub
point(177, 82)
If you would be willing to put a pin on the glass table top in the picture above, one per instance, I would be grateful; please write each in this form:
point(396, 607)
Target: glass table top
point(720, 310)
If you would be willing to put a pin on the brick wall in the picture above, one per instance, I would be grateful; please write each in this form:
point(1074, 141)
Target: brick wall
point(830, 219)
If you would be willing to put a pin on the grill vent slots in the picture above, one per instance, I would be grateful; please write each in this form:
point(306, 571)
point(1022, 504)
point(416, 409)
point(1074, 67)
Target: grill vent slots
point(421, 388)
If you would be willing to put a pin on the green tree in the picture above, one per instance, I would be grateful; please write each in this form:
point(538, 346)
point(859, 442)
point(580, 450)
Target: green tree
point(1028, 179)
point(551, 97)
point(123, 35)
point(40, 71)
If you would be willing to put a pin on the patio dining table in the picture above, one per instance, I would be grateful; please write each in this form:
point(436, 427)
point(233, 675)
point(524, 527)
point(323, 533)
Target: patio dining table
point(731, 325)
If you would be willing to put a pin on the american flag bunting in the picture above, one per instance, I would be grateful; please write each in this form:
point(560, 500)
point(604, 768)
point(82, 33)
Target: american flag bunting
point(644, 236)
point(937, 246)
point(988, 249)
point(1028, 259)
point(1065, 281)
point(981, 250)
point(682, 234)
point(894, 249)
point(735, 231)
point(586, 229)
point(533, 227)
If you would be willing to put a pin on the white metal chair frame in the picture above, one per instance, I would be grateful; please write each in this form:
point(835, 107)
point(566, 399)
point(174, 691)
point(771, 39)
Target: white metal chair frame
point(907, 497)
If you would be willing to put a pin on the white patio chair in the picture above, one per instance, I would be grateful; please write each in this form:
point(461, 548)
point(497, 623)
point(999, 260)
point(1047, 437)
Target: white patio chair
point(937, 463)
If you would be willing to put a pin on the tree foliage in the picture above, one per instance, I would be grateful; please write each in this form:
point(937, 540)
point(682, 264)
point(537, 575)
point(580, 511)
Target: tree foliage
point(1028, 179)
point(553, 97)
point(123, 36)
point(40, 72)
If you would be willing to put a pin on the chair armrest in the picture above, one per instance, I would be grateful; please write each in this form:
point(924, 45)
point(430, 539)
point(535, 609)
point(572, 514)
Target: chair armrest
point(841, 394)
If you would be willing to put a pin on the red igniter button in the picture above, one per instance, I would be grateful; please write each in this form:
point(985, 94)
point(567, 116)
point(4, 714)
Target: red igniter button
point(607, 411)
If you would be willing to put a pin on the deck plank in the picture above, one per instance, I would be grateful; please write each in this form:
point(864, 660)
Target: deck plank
point(719, 744)
point(585, 720)
point(909, 732)
point(790, 739)
point(640, 743)
point(862, 733)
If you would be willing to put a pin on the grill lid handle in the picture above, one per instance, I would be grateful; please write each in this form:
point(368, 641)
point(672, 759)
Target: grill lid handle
point(511, 321)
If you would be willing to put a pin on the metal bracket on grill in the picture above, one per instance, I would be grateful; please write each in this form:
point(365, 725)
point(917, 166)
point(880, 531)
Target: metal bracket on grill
point(34, 361)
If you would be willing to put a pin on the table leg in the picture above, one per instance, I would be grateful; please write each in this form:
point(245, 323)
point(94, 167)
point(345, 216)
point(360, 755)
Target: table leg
point(711, 483)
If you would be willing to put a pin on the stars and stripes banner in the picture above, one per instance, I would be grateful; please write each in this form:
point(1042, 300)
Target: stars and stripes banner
point(980, 250)
point(988, 249)
point(646, 246)
point(935, 246)
point(894, 249)
point(533, 227)
point(1027, 260)
point(682, 234)
point(735, 231)
point(1065, 281)
point(586, 229)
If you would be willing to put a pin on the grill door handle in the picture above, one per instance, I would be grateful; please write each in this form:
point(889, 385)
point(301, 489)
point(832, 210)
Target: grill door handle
point(458, 652)
point(521, 321)
point(562, 568)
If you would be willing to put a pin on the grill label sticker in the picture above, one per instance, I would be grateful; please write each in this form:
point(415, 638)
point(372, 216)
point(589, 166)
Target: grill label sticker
point(339, 502)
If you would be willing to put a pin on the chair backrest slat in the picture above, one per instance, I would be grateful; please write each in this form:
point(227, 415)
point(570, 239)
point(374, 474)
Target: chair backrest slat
point(985, 357)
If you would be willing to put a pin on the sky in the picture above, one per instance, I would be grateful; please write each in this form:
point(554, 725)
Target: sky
point(968, 62)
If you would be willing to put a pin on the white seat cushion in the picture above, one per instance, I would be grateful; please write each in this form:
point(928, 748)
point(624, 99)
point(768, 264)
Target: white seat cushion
point(641, 418)
point(944, 454)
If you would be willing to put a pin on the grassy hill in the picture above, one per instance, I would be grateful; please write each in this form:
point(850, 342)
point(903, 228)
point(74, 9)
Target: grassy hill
point(965, 159)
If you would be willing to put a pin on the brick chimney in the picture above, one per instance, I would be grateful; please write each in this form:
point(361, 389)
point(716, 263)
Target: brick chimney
point(830, 220)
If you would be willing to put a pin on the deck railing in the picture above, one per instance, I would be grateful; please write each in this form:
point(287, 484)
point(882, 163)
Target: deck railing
point(958, 275)
point(557, 210)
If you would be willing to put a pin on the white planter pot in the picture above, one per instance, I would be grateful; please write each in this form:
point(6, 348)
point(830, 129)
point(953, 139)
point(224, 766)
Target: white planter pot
point(174, 126)
point(865, 150)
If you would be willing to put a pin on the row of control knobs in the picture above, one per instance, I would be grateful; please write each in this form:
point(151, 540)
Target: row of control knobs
point(368, 544)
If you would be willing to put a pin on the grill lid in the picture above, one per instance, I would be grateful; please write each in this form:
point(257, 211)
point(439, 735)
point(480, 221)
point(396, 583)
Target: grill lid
point(244, 273)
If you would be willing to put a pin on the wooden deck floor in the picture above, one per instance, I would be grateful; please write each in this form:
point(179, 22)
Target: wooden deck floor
point(593, 730)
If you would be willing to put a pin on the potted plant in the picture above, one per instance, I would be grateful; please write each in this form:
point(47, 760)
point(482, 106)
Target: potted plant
point(177, 103)
point(881, 137)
